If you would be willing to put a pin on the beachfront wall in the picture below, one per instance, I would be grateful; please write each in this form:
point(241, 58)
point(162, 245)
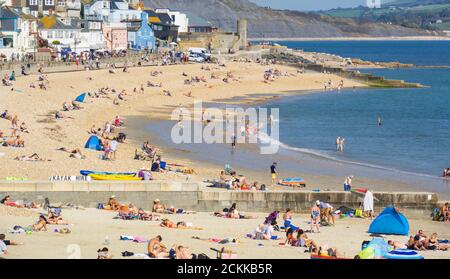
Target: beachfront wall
point(194, 196)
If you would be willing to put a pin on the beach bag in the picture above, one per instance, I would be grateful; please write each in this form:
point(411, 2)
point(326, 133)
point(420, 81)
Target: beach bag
point(100, 206)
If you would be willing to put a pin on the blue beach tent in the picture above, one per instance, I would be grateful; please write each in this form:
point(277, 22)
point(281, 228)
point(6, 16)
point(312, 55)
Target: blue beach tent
point(93, 143)
point(81, 98)
point(390, 222)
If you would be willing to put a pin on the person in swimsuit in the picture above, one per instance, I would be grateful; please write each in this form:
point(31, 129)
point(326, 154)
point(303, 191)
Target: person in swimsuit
point(41, 225)
point(158, 207)
point(315, 216)
point(287, 217)
point(156, 249)
point(433, 243)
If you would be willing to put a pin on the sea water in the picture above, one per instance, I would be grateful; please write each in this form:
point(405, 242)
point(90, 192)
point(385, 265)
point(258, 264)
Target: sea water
point(415, 131)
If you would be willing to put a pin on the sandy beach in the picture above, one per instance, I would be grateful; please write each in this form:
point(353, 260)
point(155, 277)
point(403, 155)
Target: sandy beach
point(91, 227)
point(36, 107)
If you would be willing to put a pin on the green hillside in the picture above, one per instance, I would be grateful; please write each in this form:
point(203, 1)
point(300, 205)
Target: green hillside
point(426, 14)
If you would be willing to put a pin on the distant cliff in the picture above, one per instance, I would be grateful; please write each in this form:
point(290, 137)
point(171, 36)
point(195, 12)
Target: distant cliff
point(282, 23)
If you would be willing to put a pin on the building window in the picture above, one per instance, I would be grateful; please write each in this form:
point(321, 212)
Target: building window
point(49, 2)
point(105, 5)
point(33, 2)
point(61, 3)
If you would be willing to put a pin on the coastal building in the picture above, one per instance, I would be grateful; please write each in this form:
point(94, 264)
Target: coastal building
point(199, 25)
point(115, 36)
point(178, 18)
point(113, 11)
point(140, 35)
point(162, 25)
point(61, 35)
point(40, 7)
point(17, 31)
point(68, 8)
point(91, 35)
point(216, 40)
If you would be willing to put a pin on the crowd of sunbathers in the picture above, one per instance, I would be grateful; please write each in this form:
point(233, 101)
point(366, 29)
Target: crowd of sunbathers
point(421, 241)
point(14, 139)
point(129, 212)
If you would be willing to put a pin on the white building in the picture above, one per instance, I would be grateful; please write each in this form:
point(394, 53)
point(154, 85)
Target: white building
point(113, 11)
point(17, 32)
point(180, 19)
point(79, 35)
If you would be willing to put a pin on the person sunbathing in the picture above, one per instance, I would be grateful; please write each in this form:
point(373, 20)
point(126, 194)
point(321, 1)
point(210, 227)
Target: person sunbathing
point(54, 218)
point(23, 128)
point(158, 207)
point(148, 216)
point(304, 241)
point(397, 244)
point(182, 253)
point(433, 243)
point(166, 223)
point(173, 210)
point(33, 158)
point(76, 106)
point(66, 106)
point(414, 243)
point(328, 252)
point(59, 115)
point(113, 204)
point(15, 142)
point(93, 130)
point(233, 212)
point(156, 249)
point(291, 240)
point(6, 82)
point(445, 211)
point(41, 225)
point(8, 201)
point(102, 254)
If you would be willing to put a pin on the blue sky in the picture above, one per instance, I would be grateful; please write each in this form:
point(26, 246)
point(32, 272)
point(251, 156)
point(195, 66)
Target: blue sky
point(308, 5)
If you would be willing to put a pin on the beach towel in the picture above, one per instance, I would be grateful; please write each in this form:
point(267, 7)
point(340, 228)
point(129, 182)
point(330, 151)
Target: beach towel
point(368, 201)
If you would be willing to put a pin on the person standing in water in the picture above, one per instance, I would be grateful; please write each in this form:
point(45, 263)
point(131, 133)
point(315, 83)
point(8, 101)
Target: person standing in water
point(341, 145)
point(379, 121)
point(338, 143)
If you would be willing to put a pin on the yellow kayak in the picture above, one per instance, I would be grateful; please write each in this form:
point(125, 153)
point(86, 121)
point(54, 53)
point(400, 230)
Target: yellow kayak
point(113, 177)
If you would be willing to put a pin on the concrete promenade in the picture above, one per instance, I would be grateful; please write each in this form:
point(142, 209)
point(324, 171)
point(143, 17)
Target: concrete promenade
point(195, 196)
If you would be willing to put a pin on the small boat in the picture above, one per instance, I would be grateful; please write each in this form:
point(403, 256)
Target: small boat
point(113, 177)
point(88, 172)
point(294, 181)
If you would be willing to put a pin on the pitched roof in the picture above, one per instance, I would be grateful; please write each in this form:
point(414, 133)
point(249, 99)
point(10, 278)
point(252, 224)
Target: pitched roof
point(6, 12)
point(58, 24)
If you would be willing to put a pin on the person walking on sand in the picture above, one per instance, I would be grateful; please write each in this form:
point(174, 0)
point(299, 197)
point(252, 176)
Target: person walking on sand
point(233, 142)
point(273, 172)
